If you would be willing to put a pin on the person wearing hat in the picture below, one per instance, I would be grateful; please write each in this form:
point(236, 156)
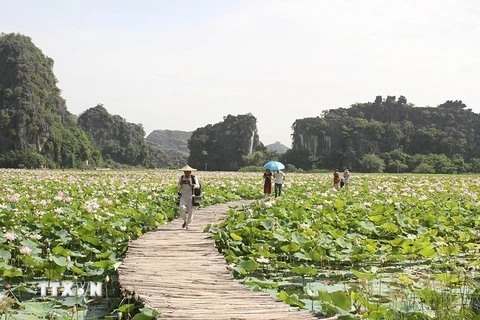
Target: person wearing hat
point(186, 183)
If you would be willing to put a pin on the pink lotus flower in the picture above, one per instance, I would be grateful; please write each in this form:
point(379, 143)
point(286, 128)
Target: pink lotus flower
point(13, 198)
point(107, 201)
point(26, 250)
point(364, 282)
point(262, 260)
point(268, 204)
point(10, 236)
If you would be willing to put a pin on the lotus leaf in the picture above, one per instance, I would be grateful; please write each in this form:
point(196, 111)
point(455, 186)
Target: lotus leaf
point(126, 308)
point(290, 299)
point(249, 265)
point(5, 255)
point(39, 309)
point(304, 271)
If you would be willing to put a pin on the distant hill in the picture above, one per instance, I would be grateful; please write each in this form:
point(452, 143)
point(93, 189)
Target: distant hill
point(398, 133)
point(173, 142)
point(36, 129)
point(277, 147)
point(224, 145)
point(118, 139)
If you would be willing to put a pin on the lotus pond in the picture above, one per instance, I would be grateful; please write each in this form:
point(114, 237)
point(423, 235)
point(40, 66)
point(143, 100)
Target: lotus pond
point(76, 226)
point(390, 247)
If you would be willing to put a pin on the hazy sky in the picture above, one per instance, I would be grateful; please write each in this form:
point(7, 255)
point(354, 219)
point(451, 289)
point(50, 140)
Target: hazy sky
point(180, 65)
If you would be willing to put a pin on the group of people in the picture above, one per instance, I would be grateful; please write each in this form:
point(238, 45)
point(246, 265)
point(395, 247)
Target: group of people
point(279, 178)
point(187, 183)
point(342, 182)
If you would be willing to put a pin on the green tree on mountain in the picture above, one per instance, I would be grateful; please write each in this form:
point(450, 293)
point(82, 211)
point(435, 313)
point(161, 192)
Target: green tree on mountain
point(343, 136)
point(33, 115)
point(122, 141)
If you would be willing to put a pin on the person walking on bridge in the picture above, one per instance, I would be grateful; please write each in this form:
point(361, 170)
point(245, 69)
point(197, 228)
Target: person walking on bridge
point(186, 184)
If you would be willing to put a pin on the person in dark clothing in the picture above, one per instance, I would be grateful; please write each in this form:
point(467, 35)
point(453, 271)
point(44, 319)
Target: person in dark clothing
point(267, 185)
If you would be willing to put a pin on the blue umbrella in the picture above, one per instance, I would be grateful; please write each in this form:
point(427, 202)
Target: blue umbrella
point(274, 166)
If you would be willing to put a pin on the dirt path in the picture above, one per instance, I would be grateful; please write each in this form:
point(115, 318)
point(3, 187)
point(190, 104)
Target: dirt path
point(181, 273)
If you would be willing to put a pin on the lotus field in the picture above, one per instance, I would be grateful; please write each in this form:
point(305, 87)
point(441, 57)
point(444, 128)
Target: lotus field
point(75, 226)
point(390, 247)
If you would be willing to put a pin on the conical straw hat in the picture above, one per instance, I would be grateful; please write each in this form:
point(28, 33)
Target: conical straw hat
point(187, 168)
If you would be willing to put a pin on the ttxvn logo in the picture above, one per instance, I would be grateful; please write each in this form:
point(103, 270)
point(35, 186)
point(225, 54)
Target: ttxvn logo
point(71, 289)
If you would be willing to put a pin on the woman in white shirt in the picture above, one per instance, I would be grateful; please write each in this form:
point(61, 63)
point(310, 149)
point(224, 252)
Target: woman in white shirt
point(279, 177)
point(346, 178)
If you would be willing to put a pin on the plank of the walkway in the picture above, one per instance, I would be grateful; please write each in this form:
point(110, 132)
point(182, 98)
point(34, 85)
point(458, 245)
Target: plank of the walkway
point(181, 273)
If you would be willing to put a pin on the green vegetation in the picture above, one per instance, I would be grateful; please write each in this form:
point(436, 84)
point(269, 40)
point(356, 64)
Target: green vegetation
point(36, 130)
point(76, 226)
point(223, 146)
point(402, 135)
point(390, 247)
point(118, 140)
point(33, 116)
point(171, 145)
point(372, 163)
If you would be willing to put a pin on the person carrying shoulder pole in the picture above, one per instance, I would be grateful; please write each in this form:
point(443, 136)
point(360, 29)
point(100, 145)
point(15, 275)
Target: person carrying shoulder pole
point(186, 184)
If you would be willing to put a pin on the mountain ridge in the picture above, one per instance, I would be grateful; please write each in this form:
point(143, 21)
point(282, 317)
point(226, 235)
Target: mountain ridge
point(278, 147)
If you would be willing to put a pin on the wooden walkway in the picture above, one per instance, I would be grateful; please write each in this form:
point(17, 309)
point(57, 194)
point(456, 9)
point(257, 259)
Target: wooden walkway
point(181, 273)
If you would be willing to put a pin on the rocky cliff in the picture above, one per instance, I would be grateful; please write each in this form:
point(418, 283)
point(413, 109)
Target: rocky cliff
point(220, 147)
point(341, 137)
point(33, 115)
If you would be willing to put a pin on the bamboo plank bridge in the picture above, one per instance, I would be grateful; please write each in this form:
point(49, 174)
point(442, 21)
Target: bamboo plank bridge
point(181, 273)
